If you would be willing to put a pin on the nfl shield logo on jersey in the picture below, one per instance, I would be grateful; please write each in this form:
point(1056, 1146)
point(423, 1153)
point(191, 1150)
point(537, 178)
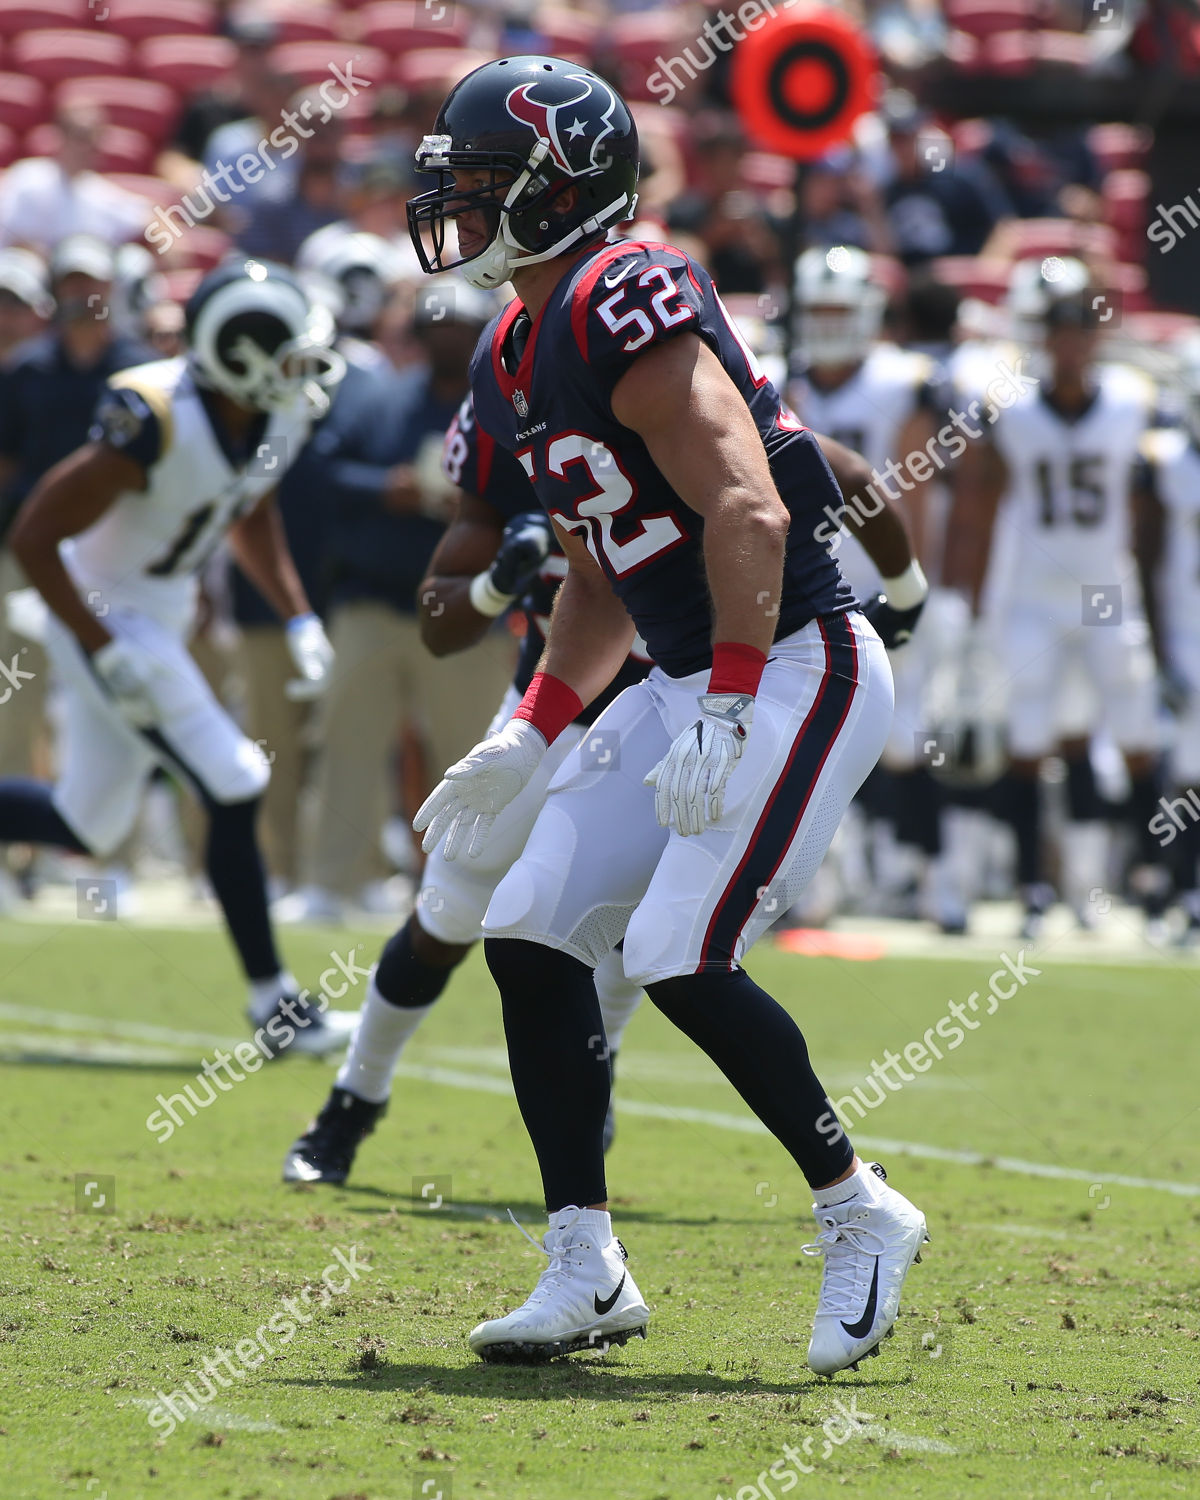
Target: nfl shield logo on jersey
point(520, 403)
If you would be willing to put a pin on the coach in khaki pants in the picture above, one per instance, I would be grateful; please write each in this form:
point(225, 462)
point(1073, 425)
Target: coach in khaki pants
point(388, 508)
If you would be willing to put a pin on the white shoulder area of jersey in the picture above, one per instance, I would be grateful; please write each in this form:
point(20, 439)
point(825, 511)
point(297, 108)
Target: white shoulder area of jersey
point(1126, 383)
point(1164, 447)
point(158, 384)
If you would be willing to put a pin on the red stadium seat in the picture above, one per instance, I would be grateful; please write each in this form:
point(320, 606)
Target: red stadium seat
point(567, 31)
point(33, 15)
point(984, 18)
point(1041, 237)
point(118, 150)
point(397, 26)
point(312, 62)
point(1011, 53)
point(57, 54)
point(23, 101)
point(310, 23)
point(1117, 145)
point(636, 41)
point(431, 68)
point(138, 19)
point(1066, 48)
point(973, 276)
point(189, 63)
point(136, 103)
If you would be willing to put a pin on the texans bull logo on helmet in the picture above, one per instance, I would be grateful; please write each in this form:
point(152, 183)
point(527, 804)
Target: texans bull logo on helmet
point(575, 128)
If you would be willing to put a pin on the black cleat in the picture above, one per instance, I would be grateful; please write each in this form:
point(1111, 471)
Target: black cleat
point(325, 1152)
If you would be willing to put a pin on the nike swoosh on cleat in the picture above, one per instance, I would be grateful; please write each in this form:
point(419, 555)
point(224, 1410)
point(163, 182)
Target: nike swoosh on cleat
point(605, 1304)
point(860, 1329)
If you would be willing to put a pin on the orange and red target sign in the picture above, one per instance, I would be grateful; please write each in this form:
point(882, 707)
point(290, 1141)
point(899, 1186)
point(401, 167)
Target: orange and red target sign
point(801, 80)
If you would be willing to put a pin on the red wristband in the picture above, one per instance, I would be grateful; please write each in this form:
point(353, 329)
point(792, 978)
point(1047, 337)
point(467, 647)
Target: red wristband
point(549, 705)
point(736, 668)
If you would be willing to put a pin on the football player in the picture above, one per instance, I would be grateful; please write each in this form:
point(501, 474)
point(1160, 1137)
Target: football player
point(1043, 512)
point(495, 555)
point(687, 500)
point(1168, 512)
point(884, 402)
point(184, 453)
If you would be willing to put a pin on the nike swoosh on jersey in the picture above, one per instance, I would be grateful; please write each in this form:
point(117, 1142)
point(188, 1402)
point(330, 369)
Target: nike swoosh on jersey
point(611, 281)
point(605, 1304)
point(860, 1329)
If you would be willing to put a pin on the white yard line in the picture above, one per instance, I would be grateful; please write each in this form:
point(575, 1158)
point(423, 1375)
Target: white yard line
point(212, 1416)
point(748, 1125)
point(904, 1440)
point(500, 1085)
point(61, 1020)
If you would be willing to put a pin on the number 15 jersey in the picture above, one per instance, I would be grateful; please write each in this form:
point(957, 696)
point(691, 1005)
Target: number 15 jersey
point(550, 404)
point(1065, 516)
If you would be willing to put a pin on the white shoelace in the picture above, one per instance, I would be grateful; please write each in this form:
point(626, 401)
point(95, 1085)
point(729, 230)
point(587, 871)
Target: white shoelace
point(557, 1270)
point(841, 1245)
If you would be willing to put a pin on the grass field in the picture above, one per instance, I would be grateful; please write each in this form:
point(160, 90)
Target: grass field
point(1049, 1344)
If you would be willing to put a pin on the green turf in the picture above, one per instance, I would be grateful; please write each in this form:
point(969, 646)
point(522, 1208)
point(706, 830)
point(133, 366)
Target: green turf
point(1048, 1345)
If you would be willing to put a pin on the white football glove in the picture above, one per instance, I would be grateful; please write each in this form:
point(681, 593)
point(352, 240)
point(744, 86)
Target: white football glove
point(464, 804)
point(690, 779)
point(313, 656)
point(129, 674)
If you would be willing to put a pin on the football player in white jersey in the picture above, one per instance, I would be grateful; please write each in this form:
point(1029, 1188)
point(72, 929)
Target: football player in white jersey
point(184, 453)
point(1044, 509)
point(1169, 555)
point(881, 401)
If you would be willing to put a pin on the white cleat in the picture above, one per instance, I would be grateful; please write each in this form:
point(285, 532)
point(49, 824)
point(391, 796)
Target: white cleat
point(584, 1299)
point(869, 1242)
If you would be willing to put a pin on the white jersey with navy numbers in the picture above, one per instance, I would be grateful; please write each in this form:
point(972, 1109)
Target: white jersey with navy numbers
point(1175, 459)
point(866, 413)
point(1065, 519)
point(145, 551)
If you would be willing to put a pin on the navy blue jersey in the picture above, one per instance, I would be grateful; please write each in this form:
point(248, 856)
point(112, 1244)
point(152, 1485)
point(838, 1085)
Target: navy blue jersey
point(596, 477)
point(476, 464)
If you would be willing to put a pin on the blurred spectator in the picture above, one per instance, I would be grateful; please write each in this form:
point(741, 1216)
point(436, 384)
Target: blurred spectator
point(389, 503)
point(47, 397)
point(163, 326)
point(281, 217)
point(248, 98)
point(842, 206)
point(25, 301)
point(740, 248)
point(45, 198)
point(937, 203)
